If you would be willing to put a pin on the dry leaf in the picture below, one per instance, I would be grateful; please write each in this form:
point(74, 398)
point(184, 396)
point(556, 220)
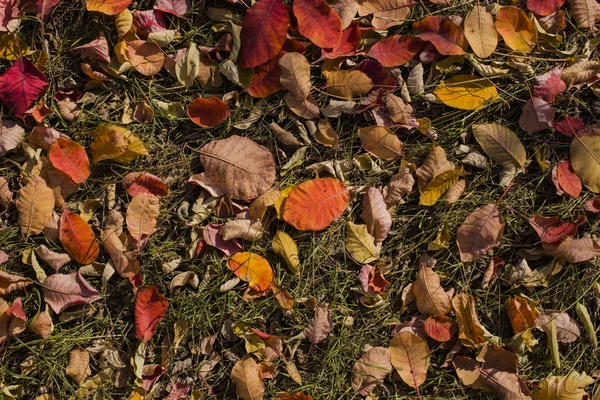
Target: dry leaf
point(284, 245)
point(371, 369)
point(501, 144)
point(360, 244)
point(466, 92)
point(79, 365)
point(246, 377)
point(480, 32)
point(430, 296)
point(348, 84)
point(35, 203)
point(410, 357)
point(320, 325)
point(470, 331)
point(481, 231)
point(252, 268)
point(381, 142)
point(141, 217)
point(376, 215)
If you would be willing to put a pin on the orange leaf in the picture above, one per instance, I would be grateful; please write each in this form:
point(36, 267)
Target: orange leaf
point(266, 79)
point(77, 238)
point(522, 314)
point(141, 217)
point(264, 30)
point(253, 269)
point(108, 7)
point(150, 309)
point(395, 50)
point(544, 7)
point(517, 30)
point(69, 157)
point(439, 327)
point(315, 204)
point(147, 58)
point(567, 179)
point(208, 112)
point(318, 22)
point(444, 34)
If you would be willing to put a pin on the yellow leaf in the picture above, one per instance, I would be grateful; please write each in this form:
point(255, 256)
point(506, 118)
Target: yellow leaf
point(281, 200)
point(286, 247)
point(253, 269)
point(438, 186)
point(517, 30)
point(12, 46)
point(360, 244)
point(470, 330)
point(35, 203)
point(466, 92)
point(569, 387)
point(112, 142)
point(261, 203)
point(585, 159)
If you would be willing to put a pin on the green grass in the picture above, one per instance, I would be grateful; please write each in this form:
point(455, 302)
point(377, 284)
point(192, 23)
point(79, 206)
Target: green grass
point(327, 272)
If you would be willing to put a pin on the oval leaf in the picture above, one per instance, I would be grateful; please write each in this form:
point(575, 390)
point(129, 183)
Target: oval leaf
point(481, 231)
point(253, 269)
point(381, 142)
point(69, 157)
point(77, 238)
point(466, 92)
point(481, 32)
point(501, 144)
point(150, 309)
point(208, 112)
point(35, 202)
point(410, 356)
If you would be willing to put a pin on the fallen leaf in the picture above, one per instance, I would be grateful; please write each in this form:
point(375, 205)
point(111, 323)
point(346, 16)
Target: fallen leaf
point(348, 45)
point(247, 380)
point(517, 30)
point(150, 309)
point(470, 331)
point(372, 281)
point(440, 327)
point(386, 13)
point(443, 33)
point(585, 159)
point(380, 141)
point(6, 196)
point(436, 164)
point(54, 259)
point(211, 236)
point(466, 92)
point(454, 193)
point(284, 245)
point(265, 79)
point(585, 12)
point(569, 126)
point(113, 142)
point(370, 370)
point(77, 238)
point(429, 294)
point(360, 244)
point(480, 32)
point(318, 22)
point(11, 135)
point(568, 387)
point(537, 115)
point(264, 31)
point(64, 291)
point(12, 319)
point(79, 365)
point(208, 112)
point(553, 229)
point(241, 168)
point(320, 326)
point(400, 112)
point(376, 215)
point(252, 268)
point(522, 314)
point(549, 85)
point(481, 231)
point(97, 49)
point(108, 7)
point(314, 205)
point(35, 203)
point(567, 329)
point(501, 144)
point(142, 182)
point(395, 50)
point(142, 212)
point(544, 8)
point(295, 74)
point(410, 357)
point(12, 47)
point(346, 9)
point(10, 283)
point(21, 85)
point(147, 58)
point(69, 157)
point(400, 184)
point(175, 7)
point(42, 324)
point(125, 264)
point(348, 84)
point(581, 72)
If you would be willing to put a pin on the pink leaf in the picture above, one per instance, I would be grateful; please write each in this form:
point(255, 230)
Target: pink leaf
point(150, 309)
point(21, 85)
point(549, 85)
point(64, 291)
point(143, 182)
point(537, 115)
point(148, 21)
point(97, 49)
point(179, 391)
point(212, 237)
point(150, 374)
point(376, 215)
point(175, 7)
point(553, 229)
point(569, 126)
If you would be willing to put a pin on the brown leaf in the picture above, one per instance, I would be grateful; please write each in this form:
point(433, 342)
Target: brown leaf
point(11, 135)
point(325, 134)
point(481, 231)
point(400, 112)
point(64, 291)
point(79, 365)
point(370, 370)
point(320, 325)
point(400, 185)
point(410, 356)
point(431, 297)
point(348, 84)
point(295, 74)
point(54, 259)
point(125, 264)
point(567, 330)
point(35, 203)
point(10, 283)
point(435, 165)
point(42, 324)
point(6, 196)
point(381, 142)
point(375, 214)
point(522, 313)
point(470, 331)
point(284, 137)
point(575, 250)
point(246, 376)
point(141, 217)
point(241, 168)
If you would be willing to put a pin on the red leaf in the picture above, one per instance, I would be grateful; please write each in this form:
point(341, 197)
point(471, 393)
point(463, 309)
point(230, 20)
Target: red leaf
point(569, 126)
point(553, 229)
point(265, 80)
point(64, 291)
point(348, 45)
point(143, 182)
point(69, 157)
point(208, 112)
point(379, 75)
point(549, 85)
point(77, 238)
point(21, 85)
point(150, 309)
point(175, 7)
point(439, 327)
point(395, 50)
point(544, 7)
point(568, 179)
point(318, 22)
point(148, 21)
point(371, 280)
point(444, 34)
point(264, 30)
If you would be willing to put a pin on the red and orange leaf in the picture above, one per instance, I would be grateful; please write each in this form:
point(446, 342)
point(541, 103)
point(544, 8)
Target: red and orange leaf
point(553, 229)
point(253, 269)
point(265, 80)
point(568, 179)
point(544, 7)
point(517, 30)
point(150, 309)
point(264, 31)
point(143, 182)
point(77, 238)
point(315, 204)
point(395, 50)
point(69, 157)
point(318, 22)
point(108, 7)
point(208, 112)
point(348, 45)
point(443, 33)
point(440, 327)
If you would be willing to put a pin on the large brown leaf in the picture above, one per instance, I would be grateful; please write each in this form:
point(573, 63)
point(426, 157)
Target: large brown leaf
point(246, 376)
point(481, 231)
point(10, 283)
point(381, 142)
point(470, 331)
point(141, 217)
point(35, 203)
point(241, 168)
point(64, 291)
point(371, 369)
point(430, 296)
point(410, 356)
point(295, 74)
point(567, 330)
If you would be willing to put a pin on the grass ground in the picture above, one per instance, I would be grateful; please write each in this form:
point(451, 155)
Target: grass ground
point(327, 272)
